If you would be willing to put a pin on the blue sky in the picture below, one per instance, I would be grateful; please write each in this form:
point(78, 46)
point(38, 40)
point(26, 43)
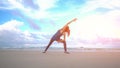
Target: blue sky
point(31, 23)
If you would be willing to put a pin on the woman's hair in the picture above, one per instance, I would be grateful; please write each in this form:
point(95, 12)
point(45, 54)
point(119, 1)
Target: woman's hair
point(67, 30)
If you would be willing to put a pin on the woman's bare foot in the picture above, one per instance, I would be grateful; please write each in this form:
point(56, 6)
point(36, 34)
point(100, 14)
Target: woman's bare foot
point(67, 52)
point(44, 52)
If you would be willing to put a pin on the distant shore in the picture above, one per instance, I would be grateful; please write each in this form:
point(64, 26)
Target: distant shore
point(69, 49)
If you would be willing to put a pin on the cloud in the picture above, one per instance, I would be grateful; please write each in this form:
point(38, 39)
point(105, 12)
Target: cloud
point(91, 28)
point(31, 8)
point(42, 8)
point(11, 4)
point(103, 25)
point(44, 5)
point(12, 36)
point(31, 4)
point(11, 25)
point(98, 17)
point(92, 5)
point(28, 20)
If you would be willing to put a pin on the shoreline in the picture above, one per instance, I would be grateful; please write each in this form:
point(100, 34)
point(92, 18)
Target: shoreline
point(69, 49)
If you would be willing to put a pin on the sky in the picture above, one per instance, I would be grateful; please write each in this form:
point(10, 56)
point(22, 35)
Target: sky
point(31, 23)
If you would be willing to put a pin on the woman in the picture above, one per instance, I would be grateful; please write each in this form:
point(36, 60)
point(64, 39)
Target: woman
point(57, 37)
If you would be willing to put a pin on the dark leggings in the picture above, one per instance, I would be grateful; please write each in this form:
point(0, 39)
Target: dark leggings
point(61, 41)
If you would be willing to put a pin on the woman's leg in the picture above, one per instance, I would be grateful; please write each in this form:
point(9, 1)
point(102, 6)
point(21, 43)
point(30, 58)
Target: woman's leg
point(65, 47)
point(51, 41)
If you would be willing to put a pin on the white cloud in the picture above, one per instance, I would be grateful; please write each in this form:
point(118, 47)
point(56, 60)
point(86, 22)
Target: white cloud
point(15, 4)
point(11, 4)
point(29, 8)
point(94, 23)
point(92, 5)
point(42, 10)
point(34, 9)
point(46, 4)
point(12, 36)
point(97, 24)
point(11, 25)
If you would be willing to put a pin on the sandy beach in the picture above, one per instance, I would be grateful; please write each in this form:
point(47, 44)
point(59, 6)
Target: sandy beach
point(58, 59)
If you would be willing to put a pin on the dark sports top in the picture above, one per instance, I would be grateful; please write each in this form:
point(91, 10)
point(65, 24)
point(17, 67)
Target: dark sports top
point(57, 35)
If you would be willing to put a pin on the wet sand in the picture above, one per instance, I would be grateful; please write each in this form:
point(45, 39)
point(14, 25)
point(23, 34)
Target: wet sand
point(58, 59)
